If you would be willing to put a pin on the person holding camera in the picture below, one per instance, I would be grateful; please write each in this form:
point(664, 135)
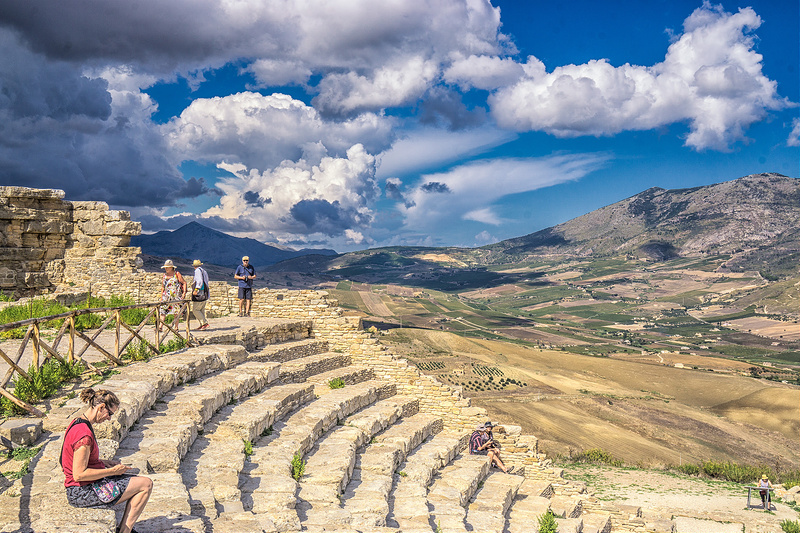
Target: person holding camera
point(245, 273)
point(482, 443)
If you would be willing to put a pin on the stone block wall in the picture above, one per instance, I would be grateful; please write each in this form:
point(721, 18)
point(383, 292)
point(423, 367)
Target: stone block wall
point(34, 224)
point(46, 241)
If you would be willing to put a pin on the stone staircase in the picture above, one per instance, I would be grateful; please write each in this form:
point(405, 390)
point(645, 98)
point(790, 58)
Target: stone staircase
point(219, 426)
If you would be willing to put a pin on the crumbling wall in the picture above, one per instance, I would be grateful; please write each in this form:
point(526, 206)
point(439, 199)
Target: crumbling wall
point(47, 242)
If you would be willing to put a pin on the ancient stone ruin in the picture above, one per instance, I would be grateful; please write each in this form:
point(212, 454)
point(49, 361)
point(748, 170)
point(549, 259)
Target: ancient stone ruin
point(47, 242)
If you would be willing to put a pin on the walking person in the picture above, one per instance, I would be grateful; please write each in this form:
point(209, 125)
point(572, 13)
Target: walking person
point(200, 293)
point(245, 273)
point(173, 287)
point(92, 482)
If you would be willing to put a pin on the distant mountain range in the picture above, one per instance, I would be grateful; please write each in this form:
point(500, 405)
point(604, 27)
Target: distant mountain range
point(751, 213)
point(195, 241)
point(754, 219)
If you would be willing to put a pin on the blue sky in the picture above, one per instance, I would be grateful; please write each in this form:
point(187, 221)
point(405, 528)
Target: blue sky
point(352, 123)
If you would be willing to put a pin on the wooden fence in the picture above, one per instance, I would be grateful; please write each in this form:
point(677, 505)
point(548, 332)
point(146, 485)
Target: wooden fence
point(75, 353)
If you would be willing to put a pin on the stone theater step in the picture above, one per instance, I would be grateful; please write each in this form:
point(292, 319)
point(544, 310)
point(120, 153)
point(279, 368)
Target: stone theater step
point(298, 370)
point(456, 485)
point(350, 375)
point(211, 468)
point(367, 496)
point(251, 333)
point(162, 437)
point(488, 508)
point(289, 350)
point(266, 484)
point(409, 493)
point(139, 385)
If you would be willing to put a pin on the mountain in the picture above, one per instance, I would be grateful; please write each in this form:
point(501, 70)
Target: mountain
point(752, 213)
point(195, 241)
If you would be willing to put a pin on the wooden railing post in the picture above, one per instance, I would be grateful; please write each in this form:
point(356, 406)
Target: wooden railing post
point(36, 345)
point(188, 315)
point(118, 318)
point(71, 353)
point(158, 326)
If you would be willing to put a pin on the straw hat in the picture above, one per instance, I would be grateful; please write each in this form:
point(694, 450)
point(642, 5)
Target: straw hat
point(168, 264)
point(764, 477)
point(196, 263)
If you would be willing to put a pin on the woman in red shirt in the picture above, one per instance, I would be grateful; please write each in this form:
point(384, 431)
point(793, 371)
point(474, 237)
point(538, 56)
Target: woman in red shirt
point(91, 481)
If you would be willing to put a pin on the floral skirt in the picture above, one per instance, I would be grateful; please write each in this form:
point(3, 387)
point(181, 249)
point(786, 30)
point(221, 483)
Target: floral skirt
point(85, 496)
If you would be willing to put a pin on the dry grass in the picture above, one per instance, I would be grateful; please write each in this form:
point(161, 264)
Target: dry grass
point(639, 411)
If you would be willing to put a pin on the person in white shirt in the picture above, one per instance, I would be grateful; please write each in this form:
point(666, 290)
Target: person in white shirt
point(200, 292)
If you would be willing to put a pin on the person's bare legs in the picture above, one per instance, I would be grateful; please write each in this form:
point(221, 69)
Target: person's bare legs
point(247, 305)
point(242, 307)
point(495, 457)
point(135, 496)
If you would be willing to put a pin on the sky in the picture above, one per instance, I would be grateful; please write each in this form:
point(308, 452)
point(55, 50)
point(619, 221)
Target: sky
point(352, 124)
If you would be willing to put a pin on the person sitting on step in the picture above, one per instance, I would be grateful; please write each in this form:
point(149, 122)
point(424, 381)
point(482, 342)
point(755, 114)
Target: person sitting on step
point(481, 443)
point(93, 482)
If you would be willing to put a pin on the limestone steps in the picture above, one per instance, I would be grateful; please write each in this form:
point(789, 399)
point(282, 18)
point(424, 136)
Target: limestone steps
point(266, 483)
point(253, 334)
point(211, 468)
point(164, 434)
point(299, 370)
point(456, 485)
point(350, 375)
point(408, 498)
point(366, 498)
point(289, 350)
point(488, 508)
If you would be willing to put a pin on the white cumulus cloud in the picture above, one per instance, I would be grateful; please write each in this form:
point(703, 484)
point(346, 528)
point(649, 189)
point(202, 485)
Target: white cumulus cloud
point(468, 191)
point(483, 72)
point(262, 131)
point(794, 136)
point(711, 78)
point(298, 199)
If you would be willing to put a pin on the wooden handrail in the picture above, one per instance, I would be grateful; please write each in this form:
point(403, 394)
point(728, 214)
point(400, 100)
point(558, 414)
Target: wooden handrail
point(40, 347)
point(77, 312)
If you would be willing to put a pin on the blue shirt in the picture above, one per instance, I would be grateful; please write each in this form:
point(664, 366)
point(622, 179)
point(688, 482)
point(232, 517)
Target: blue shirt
point(240, 271)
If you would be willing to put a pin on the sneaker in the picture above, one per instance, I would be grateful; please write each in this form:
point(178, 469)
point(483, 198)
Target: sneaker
point(247, 315)
point(204, 326)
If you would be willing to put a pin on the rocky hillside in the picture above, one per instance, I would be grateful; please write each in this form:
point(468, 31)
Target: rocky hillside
point(728, 217)
point(195, 241)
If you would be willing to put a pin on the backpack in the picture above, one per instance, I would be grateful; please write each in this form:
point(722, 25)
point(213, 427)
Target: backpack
point(201, 295)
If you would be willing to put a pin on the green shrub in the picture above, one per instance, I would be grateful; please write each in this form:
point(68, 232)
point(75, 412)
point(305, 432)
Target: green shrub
point(138, 351)
point(547, 523)
point(173, 345)
point(44, 382)
point(336, 383)
point(735, 472)
point(789, 526)
point(298, 466)
point(597, 456)
point(688, 469)
point(248, 448)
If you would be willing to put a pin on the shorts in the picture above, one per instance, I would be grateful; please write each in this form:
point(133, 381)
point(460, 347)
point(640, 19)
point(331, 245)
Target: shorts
point(245, 293)
point(480, 452)
point(85, 496)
